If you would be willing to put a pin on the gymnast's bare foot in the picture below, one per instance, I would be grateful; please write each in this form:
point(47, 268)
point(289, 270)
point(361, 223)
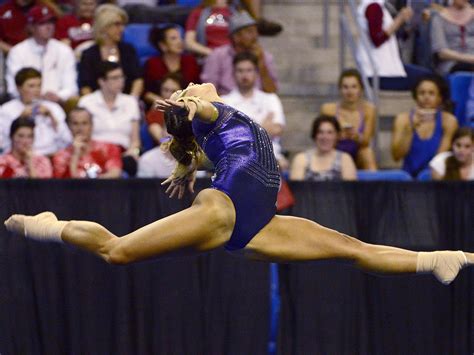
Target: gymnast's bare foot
point(44, 226)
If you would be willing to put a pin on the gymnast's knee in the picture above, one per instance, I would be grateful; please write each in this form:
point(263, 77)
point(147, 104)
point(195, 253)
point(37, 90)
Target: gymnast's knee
point(114, 253)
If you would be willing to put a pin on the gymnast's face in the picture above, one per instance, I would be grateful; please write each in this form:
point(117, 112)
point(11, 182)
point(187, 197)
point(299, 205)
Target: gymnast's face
point(201, 90)
point(463, 149)
point(326, 137)
point(22, 140)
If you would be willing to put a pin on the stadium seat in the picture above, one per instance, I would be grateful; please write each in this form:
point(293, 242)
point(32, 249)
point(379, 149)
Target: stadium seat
point(459, 84)
point(424, 175)
point(191, 3)
point(136, 34)
point(388, 175)
point(146, 138)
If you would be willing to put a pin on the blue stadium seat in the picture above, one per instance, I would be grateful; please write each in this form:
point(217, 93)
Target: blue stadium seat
point(459, 84)
point(136, 34)
point(424, 175)
point(146, 138)
point(388, 175)
point(192, 3)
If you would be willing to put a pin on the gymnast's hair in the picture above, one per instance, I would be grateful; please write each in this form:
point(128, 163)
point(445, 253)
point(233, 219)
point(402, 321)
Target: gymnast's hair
point(183, 147)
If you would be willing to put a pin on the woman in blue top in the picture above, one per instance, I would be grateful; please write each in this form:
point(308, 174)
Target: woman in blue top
point(238, 211)
point(426, 130)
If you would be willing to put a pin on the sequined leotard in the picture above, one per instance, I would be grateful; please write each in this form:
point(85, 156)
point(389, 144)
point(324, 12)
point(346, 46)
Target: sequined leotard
point(245, 169)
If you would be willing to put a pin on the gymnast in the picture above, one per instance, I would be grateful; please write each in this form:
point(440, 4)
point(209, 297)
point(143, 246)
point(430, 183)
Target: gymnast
point(237, 212)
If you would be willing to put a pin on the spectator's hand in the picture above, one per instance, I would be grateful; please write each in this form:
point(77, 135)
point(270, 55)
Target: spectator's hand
point(29, 158)
point(406, 13)
point(28, 111)
point(132, 152)
point(79, 145)
point(51, 96)
point(349, 133)
point(258, 51)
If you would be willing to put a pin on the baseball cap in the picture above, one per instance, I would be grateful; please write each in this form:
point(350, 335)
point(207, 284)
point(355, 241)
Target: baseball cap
point(40, 14)
point(240, 20)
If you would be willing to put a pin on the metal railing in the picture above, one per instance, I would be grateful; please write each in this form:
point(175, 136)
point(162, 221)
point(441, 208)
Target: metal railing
point(347, 37)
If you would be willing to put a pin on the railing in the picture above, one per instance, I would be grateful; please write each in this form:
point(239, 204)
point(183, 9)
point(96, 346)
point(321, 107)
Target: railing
point(347, 37)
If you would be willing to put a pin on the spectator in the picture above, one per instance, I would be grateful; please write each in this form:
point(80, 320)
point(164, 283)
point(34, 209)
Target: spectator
point(458, 164)
point(167, 39)
point(13, 22)
point(41, 51)
point(264, 108)
point(50, 127)
point(115, 115)
point(207, 26)
point(109, 23)
point(218, 68)
point(155, 119)
point(356, 116)
point(427, 129)
point(22, 162)
point(76, 29)
point(156, 163)
point(86, 158)
point(265, 27)
point(452, 37)
point(323, 162)
point(380, 27)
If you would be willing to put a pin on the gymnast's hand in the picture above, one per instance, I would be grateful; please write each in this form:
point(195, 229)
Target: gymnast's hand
point(181, 177)
point(163, 105)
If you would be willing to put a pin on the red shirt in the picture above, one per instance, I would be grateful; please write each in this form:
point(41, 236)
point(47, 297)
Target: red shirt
point(154, 116)
point(11, 167)
point(75, 29)
point(156, 69)
point(217, 25)
point(101, 158)
point(374, 15)
point(13, 23)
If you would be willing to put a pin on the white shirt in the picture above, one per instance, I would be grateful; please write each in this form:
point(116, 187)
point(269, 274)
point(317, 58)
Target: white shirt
point(112, 126)
point(47, 140)
point(156, 163)
point(258, 107)
point(438, 164)
point(55, 61)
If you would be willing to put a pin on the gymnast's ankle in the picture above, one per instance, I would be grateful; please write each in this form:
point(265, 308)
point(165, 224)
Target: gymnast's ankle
point(444, 265)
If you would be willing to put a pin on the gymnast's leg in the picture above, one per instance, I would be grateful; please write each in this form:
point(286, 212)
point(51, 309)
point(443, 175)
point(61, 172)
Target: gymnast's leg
point(297, 239)
point(206, 225)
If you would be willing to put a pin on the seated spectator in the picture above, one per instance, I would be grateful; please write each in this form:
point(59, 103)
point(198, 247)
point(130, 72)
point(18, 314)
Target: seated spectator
point(207, 26)
point(264, 108)
point(109, 23)
point(167, 40)
point(218, 68)
point(50, 120)
point(86, 158)
point(452, 37)
point(21, 161)
point(457, 164)
point(380, 28)
point(13, 22)
point(116, 116)
point(75, 29)
point(155, 119)
point(156, 163)
point(323, 162)
point(427, 129)
point(41, 51)
point(356, 116)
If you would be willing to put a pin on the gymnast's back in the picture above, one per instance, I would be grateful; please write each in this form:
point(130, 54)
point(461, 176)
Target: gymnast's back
point(245, 169)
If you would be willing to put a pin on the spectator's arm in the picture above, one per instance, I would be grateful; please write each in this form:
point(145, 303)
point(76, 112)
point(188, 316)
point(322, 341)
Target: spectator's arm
point(435, 175)
point(137, 88)
point(113, 166)
point(87, 79)
point(369, 129)
point(68, 76)
point(193, 45)
point(402, 136)
point(156, 131)
point(5, 47)
point(374, 15)
point(449, 54)
point(298, 167)
point(348, 168)
point(450, 125)
point(13, 64)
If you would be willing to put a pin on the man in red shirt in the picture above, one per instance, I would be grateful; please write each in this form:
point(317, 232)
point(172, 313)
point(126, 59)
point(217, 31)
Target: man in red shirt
point(13, 22)
point(76, 28)
point(86, 158)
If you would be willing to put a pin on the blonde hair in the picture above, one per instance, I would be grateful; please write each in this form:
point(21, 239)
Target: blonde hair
point(104, 16)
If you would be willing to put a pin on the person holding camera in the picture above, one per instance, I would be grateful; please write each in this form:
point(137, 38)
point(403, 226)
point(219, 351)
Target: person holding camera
point(426, 130)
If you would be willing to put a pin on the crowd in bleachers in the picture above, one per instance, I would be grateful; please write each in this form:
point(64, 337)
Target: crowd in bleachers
point(81, 81)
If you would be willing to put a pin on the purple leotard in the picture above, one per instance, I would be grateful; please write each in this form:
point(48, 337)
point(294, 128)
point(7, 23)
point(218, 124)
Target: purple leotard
point(245, 169)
